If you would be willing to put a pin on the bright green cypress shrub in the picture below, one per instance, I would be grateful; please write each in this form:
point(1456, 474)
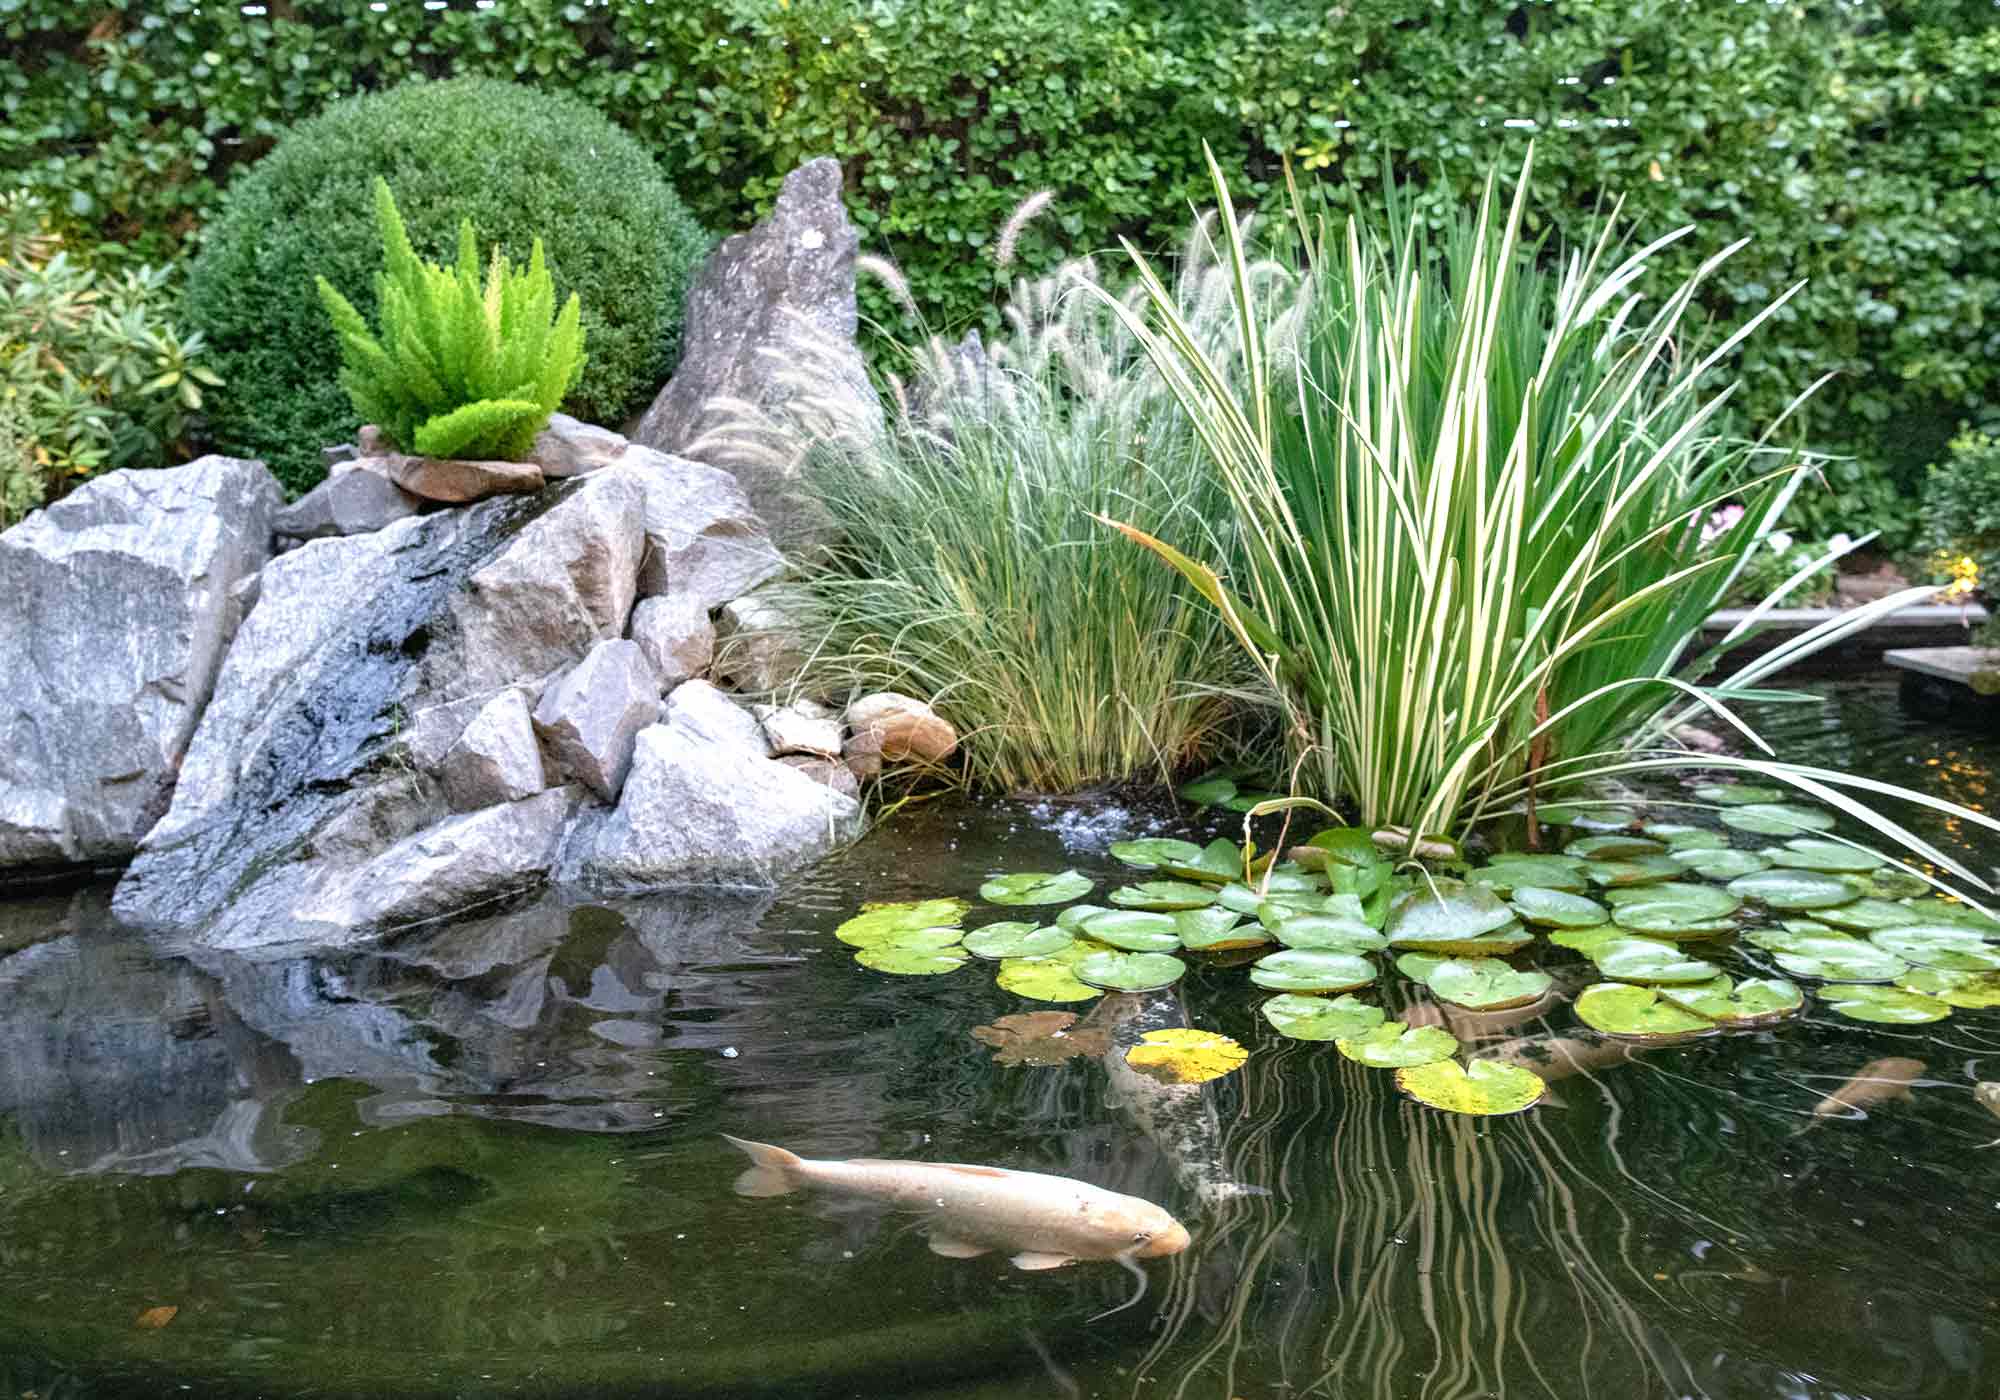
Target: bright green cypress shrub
point(519, 164)
point(459, 369)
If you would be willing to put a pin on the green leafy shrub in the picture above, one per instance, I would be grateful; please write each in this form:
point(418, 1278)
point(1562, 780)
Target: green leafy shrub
point(459, 369)
point(1852, 140)
point(1962, 516)
point(519, 164)
point(93, 374)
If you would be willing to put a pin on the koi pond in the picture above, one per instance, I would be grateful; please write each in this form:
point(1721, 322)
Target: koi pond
point(486, 1158)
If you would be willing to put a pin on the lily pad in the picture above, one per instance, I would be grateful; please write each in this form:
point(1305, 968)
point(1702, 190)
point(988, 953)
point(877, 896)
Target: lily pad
point(1183, 1055)
point(1049, 978)
point(1207, 791)
point(1321, 1018)
point(1737, 794)
point(1326, 931)
point(1589, 816)
point(879, 922)
point(1967, 989)
point(1244, 801)
point(1722, 865)
point(1508, 872)
point(1487, 1088)
point(1312, 970)
point(1752, 1002)
point(1793, 889)
point(1946, 947)
point(1818, 853)
point(1547, 908)
point(1163, 895)
point(1217, 930)
point(1014, 940)
point(913, 958)
point(1891, 1006)
point(1072, 919)
point(1041, 1038)
point(1217, 863)
point(1497, 944)
point(1634, 870)
point(1868, 914)
point(1392, 1045)
point(1599, 848)
point(1636, 1013)
point(1896, 884)
point(1134, 931)
point(1839, 958)
point(1034, 887)
point(1445, 911)
point(1153, 852)
point(1677, 910)
point(1649, 960)
point(1681, 837)
point(1482, 984)
point(1587, 940)
point(1130, 972)
point(1778, 818)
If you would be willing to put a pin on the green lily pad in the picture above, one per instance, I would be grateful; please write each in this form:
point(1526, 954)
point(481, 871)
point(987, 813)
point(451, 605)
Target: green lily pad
point(1896, 884)
point(1951, 911)
point(1347, 845)
point(1508, 872)
point(1778, 819)
point(1035, 887)
point(1130, 972)
point(1793, 889)
point(908, 961)
point(1818, 853)
point(1587, 940)
point(1163, 895)
point(1497, 944)
point(1737, 794)
point(1869, 914)
point(1072, 919)
point(1321, 1018)
point(1681, 837)
point(1049, 978)
point(1547, 908)
point(1312, 970)
point(1206, 792)
point(1392, 1045)
point(1636, 1013)
point(879, 922)
point(1752, 1002)
point(1153, 852)
point(1623, 847)
point(1445, 911)
point(1135, 931)
point(1638, 870)
point(1479, 984)
point(1678, 910)
point(1839, 958)
point(1649, 960)
point(1890, 1006)
point(1217, 863)
point(1721, 865)
point(1946, 947)
point(1486, 1088)
point(1966, 989)
point(1217, 930)
point(1326, 931)
point(1591, 816)
point(1015, 940)
point(1244, 801)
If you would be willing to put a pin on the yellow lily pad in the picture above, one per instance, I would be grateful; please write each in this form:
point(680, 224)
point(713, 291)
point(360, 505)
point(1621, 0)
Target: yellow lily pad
point(1183, 1055)
point(1486, 1088)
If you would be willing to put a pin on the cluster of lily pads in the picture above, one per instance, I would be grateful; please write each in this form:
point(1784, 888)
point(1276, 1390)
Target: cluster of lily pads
point(1650, 904)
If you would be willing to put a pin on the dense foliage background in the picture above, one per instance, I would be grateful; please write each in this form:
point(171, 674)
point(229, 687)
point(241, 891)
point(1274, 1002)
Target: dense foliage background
point(1856, 143)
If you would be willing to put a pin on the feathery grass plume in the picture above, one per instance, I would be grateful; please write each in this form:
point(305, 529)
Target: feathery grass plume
point(1467, 509)
point(1023, 215)
point(459, 368)
point(891, 277)
point(969, 570)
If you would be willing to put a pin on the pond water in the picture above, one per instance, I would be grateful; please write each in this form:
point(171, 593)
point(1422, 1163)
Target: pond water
point(484, 1160)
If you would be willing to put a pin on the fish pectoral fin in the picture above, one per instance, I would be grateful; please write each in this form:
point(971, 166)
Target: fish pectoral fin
point(958, 1249)
point(1029, 1259)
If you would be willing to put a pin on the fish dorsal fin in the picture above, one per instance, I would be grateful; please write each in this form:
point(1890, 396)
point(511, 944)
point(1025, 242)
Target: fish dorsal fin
point(974, 1171)
point(964, 1169)
point(1029, 1259)
point(958, 1249)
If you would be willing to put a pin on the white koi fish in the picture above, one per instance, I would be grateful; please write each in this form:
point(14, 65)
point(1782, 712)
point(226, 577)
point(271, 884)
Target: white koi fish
point(1876, 1083)
point(1043, 1221)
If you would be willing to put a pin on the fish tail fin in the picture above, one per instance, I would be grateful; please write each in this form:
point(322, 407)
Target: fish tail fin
point(770, 1173)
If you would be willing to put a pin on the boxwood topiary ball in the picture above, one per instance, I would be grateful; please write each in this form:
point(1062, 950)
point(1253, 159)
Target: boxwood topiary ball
point(518, 163)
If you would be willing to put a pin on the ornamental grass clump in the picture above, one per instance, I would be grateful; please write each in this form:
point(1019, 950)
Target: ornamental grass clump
point(966, 566)
point(1469, 497)
point(459, 368)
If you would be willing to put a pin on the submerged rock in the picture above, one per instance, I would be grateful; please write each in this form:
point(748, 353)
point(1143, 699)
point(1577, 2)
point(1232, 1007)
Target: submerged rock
point(764, 303)
point(115, 609)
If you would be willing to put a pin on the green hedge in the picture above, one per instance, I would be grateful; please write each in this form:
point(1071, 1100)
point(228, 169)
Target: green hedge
point(1855, 143)
point(520, 164)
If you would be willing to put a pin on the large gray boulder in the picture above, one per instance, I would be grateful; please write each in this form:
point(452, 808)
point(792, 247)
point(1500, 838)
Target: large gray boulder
point(353, 500)
point(589, 717)
point(302, 773)
point(115, 611)
point(676, 635)
point(771, 319)
point(700, 812)
point(704, 543)
point(495, 757)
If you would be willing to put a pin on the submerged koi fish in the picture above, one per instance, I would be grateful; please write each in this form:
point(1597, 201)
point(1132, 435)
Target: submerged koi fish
point(1987, 1091)
point(1043, 1221)
point(1874, 1084)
